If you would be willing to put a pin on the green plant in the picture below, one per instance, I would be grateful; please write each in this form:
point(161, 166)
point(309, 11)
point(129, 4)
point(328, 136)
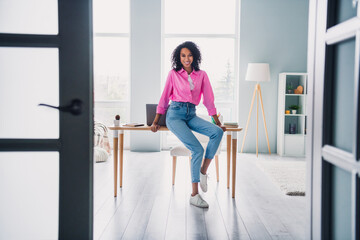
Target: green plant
point(294, 107)
point(289, 87)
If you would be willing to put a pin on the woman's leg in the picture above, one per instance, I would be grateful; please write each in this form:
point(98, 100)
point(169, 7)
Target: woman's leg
point(185, 135)
point(214, 133)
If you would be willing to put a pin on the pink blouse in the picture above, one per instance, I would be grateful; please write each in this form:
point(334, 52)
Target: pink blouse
point(177, 88)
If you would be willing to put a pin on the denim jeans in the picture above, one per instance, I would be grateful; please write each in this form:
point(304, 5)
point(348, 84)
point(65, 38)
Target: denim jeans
point(181, 120)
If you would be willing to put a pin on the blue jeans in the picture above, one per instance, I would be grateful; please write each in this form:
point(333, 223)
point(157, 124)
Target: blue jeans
point(181, 120)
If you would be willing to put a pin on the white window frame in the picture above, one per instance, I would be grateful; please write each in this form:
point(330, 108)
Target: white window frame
point(121, 103)
point(235, 37)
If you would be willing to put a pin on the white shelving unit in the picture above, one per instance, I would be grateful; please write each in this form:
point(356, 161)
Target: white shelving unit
point(291, 142)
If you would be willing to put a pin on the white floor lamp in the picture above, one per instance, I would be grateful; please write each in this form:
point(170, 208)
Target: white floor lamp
point(257, 72)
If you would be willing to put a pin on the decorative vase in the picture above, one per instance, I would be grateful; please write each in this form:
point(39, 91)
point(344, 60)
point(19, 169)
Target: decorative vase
point(287, 111)
point(293, 111)
point(292, 128)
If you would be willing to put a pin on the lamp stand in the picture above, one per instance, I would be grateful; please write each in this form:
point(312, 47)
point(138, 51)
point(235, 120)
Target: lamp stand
point(257, 92)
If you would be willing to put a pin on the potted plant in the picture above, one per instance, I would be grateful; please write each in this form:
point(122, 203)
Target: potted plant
point(289, 89)
point(294, 108)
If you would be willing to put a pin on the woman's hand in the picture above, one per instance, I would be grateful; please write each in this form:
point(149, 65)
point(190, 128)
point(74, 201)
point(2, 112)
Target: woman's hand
point(217, 121)
point(222, 127)
point(155, 127)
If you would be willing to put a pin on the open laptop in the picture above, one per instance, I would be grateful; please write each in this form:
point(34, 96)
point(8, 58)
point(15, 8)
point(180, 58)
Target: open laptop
point(151, 113)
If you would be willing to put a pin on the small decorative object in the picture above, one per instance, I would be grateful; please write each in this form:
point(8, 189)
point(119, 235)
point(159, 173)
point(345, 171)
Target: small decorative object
point(287, 111)
point(100, 154)
point(134, 124)
point(299, 90)
point(117, 121)
point(101, 142)
point(292, 128)
point(294, 108)
point(289, 89)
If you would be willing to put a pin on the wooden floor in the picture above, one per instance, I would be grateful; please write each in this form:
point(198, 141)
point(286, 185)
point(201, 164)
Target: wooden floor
point(149, 207)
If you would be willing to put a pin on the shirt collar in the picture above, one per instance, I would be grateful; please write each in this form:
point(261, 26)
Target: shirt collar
point(182, 70)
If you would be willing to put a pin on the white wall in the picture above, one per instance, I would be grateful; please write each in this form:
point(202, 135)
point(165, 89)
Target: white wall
point(145, 68)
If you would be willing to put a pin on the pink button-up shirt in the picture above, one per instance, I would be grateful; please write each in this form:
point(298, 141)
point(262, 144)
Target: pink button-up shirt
point(177, 88)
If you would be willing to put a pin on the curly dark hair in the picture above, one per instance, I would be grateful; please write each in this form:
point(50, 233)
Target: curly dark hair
point(194, 49)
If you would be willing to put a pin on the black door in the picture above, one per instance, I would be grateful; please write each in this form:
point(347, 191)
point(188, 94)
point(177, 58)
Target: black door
point(46, 170)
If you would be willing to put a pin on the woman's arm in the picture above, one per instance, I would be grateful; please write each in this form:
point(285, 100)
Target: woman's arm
point(165, 96)
point(163, 103)
point(208, 95)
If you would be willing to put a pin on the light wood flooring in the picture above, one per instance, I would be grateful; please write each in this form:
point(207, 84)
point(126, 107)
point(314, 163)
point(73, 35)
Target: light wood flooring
point(149, 207)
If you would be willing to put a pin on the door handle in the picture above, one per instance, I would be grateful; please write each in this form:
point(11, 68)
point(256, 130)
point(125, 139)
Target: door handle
point(75, 107)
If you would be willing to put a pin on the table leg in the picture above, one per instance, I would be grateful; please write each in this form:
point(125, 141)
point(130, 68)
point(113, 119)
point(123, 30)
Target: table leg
point(228, 152)
point(234, 151)
point(115, 154)
point(217, 167)
point(121, 148)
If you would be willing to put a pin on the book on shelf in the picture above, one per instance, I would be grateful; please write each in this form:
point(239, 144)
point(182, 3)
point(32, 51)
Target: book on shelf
point(134, 124)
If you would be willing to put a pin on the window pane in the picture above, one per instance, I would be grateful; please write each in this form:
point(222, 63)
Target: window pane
point(340, 204)
point(218, 64)
point(29, 16)
point(29, 76)
point(106, 112)
point(111, 68)
point(200, 16)
point(343, 95)
point(111, 16)
point(29, 186)
point(343, 10)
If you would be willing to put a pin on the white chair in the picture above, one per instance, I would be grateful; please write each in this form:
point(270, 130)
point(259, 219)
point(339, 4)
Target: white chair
point(182, 151)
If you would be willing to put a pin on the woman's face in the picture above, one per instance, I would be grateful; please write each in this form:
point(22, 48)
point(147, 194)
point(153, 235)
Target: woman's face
point(186, 58)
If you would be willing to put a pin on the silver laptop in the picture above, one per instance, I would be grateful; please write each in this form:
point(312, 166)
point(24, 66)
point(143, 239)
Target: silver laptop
point(151, 113)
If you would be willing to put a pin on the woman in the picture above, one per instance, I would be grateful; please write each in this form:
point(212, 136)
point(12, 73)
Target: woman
point(184, 86)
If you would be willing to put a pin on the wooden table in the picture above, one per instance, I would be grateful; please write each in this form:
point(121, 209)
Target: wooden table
point(231, 142)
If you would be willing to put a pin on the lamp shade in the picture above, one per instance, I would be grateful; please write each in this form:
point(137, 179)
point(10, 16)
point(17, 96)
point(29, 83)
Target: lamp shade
point(258, 72)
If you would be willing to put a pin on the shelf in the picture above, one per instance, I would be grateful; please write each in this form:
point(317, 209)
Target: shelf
point(291, 144)
point(293, 73)
point(294, 115)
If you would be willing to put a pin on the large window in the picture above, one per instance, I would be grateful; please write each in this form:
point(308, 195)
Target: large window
point(214, 26)
point(111, 60)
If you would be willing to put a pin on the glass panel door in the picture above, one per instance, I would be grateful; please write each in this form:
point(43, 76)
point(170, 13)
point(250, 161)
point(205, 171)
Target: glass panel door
point(335, 184)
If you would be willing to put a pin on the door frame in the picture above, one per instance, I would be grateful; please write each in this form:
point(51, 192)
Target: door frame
point(312, 23)
point(75, 143)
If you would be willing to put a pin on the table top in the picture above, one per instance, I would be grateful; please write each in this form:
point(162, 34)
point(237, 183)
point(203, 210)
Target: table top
point(147, 128)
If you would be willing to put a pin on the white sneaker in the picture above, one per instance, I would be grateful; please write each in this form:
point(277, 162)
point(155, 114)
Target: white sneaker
point(203, 182)
point(198, 201)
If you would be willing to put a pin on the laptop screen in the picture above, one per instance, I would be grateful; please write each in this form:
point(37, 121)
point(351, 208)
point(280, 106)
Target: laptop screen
point(151, 113)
